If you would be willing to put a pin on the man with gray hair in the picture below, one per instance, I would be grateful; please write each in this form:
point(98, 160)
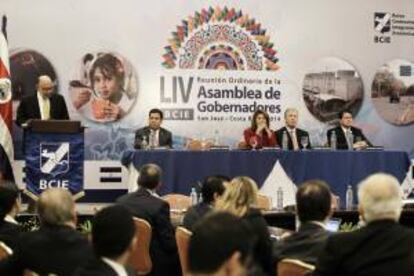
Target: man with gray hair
point(56, 247)
point(296, 138)
point(382, 247)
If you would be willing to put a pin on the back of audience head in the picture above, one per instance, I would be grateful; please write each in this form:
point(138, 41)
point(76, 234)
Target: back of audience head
point(113, 232)
point(56, 207)
point(380, 197)
point(239, 196)
point(149, 176)
point(313, 201)
point(219, 245)
point(213, 187)
point(9, 200)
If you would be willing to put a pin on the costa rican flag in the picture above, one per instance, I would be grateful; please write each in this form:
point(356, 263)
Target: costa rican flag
point(6, 115)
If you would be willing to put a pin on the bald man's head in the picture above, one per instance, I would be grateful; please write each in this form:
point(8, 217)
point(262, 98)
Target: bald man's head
point(45, 85)
point(56, 207)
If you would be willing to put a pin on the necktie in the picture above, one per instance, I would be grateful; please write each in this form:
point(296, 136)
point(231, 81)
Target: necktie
point(349, 139)
point(294, 140)
point(46, 109)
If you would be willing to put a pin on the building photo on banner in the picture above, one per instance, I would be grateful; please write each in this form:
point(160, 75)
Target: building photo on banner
point(209, 66)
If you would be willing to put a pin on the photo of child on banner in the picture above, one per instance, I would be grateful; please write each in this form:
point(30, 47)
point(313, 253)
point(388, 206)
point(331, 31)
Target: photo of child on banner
point(106, 89)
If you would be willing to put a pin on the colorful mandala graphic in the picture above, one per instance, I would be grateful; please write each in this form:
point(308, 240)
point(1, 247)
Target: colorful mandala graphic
point(223, 39)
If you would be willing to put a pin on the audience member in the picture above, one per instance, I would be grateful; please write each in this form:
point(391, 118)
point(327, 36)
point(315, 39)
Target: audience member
point(239, 199)
point(9, 208)
point(313, 209)
point(295, 136)
point(146, 204)
point(348, 137)
point(212, 189)
point(56, 248)
point(153, 135)
point(259, 134)
point(113, 239)
point(220, 245)
point(382, 247)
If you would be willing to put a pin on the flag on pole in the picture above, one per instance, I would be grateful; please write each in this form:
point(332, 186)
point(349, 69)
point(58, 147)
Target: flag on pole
point(6, 115)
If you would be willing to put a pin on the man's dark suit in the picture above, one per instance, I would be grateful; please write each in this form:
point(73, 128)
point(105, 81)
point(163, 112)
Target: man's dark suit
point(299, 134)
point(381, 248)
point(51, 249)
point(304, 245)
point(164, 137)
point(341, 139)
point(195, 213)
point(9, 233)
point(97, 267)
point(29, 109)
point(163, 248)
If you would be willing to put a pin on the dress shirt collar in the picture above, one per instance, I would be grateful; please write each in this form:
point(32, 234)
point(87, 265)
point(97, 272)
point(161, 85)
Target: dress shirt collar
point(151, 192)
point(10, 219)
point(290, 129)
point(119, 269)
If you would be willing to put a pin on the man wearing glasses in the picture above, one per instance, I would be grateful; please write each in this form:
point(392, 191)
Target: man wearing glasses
point(44, 104)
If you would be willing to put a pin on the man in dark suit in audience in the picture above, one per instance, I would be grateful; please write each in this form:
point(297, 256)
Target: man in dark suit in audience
point(56, 248)
point(113, 239)
point(382, 247)
point(313, 207)
point(293, 133)
point(44, 104)
point(348, 137)
point(147, 205)
point(220, 245)
point(212, 189)
point(9, 207)
point(153, 135)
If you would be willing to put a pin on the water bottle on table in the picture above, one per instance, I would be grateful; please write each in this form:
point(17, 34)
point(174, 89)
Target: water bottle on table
point(285, 140)
point(279, 199)
point(349, 198)
point(193, 196)
point(333, 140)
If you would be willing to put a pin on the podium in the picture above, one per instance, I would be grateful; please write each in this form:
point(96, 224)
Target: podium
point(54, 155)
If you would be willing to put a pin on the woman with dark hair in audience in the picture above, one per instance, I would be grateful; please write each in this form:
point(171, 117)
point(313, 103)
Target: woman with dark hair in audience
point(239, 199)
point(9, 207)
point(259, 134)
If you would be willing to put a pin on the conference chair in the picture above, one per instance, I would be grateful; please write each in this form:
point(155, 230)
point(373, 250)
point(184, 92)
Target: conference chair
point(5, 251)
point(177, 202)
point(293, 267)
point(182, 237)
point(264, 202)
point(140, 258)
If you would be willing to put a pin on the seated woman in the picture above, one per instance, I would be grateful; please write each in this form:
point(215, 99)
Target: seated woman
point(240, 199)
point(259, 134)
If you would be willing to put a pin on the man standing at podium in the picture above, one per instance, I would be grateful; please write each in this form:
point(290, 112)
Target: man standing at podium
point(44, 104)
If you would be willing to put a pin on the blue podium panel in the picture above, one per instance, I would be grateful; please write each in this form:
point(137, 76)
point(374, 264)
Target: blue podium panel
point(182, 169)
point(54, 160)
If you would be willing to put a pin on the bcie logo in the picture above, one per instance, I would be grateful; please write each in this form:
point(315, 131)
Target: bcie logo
point(54, 158)
point(382, 25)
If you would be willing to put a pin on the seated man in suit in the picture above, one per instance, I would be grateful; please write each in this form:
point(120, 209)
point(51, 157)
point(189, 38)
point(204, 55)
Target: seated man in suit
point(382, 247)
point(296, 136)
point(44, 104)
point(313, 207)
point(9, 208)
point(146, 204)
point(153, 135)
point(113, 239)
point(220, 245)
point(212, 189)
point(56, 248)
point(348, 137)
